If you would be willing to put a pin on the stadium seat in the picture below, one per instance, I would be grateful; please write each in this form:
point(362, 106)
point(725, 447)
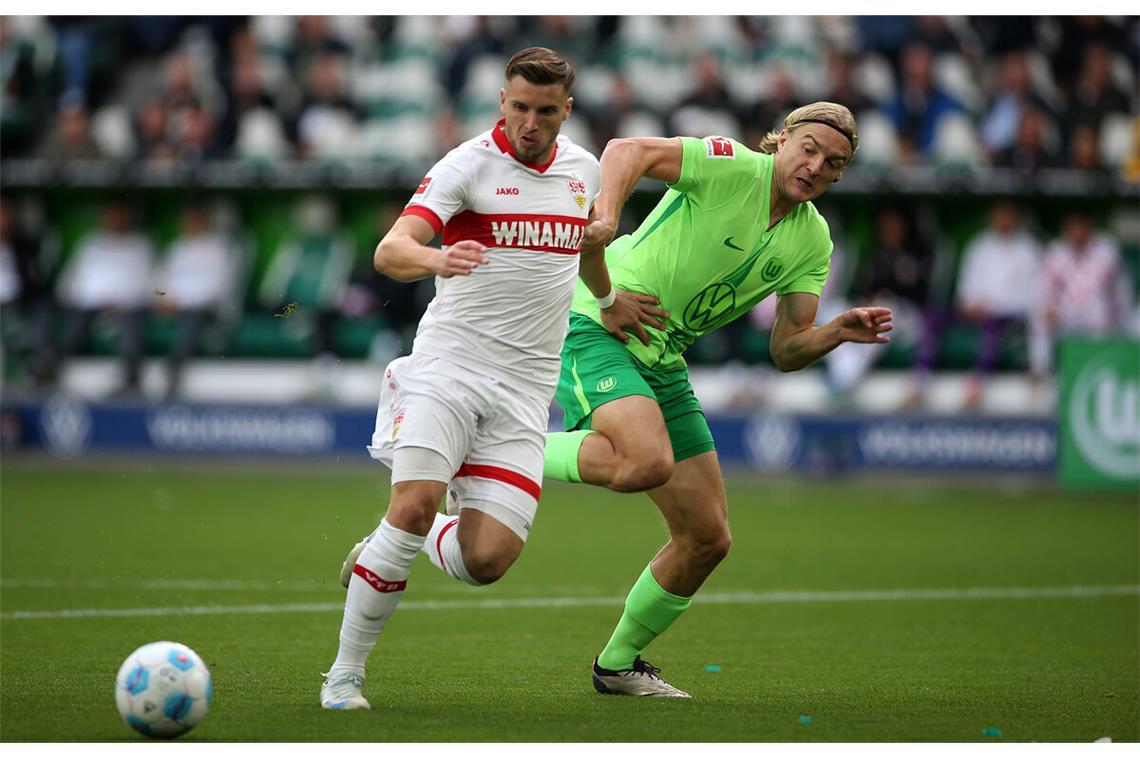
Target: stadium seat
point(878, 140)
point(1116, 139)
point(260, 136)
point(409, 84)
point(578, 130)
point(640, 124)
point(408, 139)
point(592, 86)
point(956, 142)
point(692, 120)
point(111, 131)
point(1041, 77)
point(874, 78)
point(952, 73)
point(747, 82)
point(484, 80)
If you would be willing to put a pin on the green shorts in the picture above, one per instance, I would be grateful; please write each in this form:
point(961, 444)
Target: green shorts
point(597, 368)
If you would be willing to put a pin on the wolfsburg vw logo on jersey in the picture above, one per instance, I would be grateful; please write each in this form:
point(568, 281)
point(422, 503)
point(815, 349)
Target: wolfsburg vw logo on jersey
point(536, 235)
point(710, 306)
point(1104, 413)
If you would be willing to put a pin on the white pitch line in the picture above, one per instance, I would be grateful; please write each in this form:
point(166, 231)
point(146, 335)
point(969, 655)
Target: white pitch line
point(727, 597)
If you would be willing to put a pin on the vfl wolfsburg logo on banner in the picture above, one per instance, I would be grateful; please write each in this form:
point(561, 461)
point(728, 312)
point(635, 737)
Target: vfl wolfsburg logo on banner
point(1101, 411)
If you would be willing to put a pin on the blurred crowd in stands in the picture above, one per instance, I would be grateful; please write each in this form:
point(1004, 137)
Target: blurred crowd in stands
point(1010, 291)
point(1024, 92)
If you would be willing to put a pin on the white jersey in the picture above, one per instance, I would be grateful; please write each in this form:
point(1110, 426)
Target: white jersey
point(508, 318)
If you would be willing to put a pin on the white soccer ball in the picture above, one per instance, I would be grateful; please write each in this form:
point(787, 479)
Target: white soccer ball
point(163, 689)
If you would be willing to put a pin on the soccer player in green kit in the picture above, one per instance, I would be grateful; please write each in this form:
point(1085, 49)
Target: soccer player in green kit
point(734, 226)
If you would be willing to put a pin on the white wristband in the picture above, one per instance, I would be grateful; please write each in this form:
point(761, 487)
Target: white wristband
point(608, 301)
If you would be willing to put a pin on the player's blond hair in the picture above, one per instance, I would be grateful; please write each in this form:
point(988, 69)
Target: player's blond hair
point(832, 114)
point(539, 65)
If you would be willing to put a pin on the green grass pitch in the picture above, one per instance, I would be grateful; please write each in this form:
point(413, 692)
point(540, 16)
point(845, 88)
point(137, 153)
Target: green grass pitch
point(240, 563)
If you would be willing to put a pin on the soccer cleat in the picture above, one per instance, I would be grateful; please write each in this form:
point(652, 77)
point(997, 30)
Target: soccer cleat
point(343, 693)
point(639, 681)
point(451, 504)
point(350, 561)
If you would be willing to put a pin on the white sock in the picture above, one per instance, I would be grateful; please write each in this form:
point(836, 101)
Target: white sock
point(442, 548)
point(377, 584)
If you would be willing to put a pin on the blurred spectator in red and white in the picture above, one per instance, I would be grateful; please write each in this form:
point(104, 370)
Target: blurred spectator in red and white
point(920, 104)
point(195, 283)
point(110, 272)
point(1084, 290)
point(996, 290)
point(1032, 149)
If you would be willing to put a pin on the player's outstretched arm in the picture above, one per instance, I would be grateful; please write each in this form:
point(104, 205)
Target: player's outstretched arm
point(404, 255)
point(796, 342)
point(623, 163)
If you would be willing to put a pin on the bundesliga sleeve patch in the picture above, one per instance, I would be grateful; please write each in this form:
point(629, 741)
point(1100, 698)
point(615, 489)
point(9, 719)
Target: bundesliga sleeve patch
point(719, 147)
point(423, 186)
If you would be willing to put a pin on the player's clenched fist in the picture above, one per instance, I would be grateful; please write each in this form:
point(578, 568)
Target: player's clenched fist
point(461, 258)
point(597, 235)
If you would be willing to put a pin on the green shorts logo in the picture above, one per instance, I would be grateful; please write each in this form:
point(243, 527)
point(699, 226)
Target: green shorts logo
point(607, 384)
point(710, 306)
point(772, 269)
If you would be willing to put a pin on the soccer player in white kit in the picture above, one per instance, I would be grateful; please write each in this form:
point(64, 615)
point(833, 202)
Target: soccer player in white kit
point(468, 408)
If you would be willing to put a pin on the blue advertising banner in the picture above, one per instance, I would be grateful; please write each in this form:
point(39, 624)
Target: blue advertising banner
point(769, 442)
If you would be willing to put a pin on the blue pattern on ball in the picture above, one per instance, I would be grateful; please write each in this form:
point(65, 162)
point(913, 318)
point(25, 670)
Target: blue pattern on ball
point(177, 705)
point(180, 659)
point(209, 691)
point(137, 681)
point(139, 725)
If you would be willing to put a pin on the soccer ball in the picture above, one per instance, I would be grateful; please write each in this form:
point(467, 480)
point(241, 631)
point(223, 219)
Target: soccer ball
point(163, 689)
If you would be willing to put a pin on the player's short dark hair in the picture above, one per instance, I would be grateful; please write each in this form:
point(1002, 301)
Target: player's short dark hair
point(539, 65)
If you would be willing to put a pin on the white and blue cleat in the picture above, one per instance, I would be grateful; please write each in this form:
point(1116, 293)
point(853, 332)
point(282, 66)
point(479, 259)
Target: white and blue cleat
point(343, 693)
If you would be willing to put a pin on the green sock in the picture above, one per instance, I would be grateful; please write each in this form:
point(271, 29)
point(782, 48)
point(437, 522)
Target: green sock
point(649, 611)
point(560, 457)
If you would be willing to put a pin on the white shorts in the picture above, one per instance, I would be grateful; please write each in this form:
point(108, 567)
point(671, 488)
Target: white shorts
point(490, 435)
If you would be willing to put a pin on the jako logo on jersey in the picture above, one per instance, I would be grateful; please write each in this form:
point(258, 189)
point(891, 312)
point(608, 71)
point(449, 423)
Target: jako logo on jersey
point(537, 234)
point(772, 270)
point(423, 186)
point(507, 191)
point(607, 384)
point(719, 147)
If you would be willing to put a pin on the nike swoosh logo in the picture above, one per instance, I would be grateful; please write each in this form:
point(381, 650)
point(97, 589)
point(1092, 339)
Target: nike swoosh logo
point(730, 244)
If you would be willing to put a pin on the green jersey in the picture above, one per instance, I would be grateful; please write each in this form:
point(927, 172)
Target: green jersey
point(706, 251)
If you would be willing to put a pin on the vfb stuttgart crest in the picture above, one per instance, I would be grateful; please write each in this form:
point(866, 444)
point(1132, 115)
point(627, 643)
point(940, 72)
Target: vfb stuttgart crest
point(578, 190)
point(709, 307)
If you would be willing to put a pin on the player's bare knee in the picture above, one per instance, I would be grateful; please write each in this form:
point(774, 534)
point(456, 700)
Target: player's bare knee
point(487, 567)
point(709, 549)
point(413, 516)
point(642, 473)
